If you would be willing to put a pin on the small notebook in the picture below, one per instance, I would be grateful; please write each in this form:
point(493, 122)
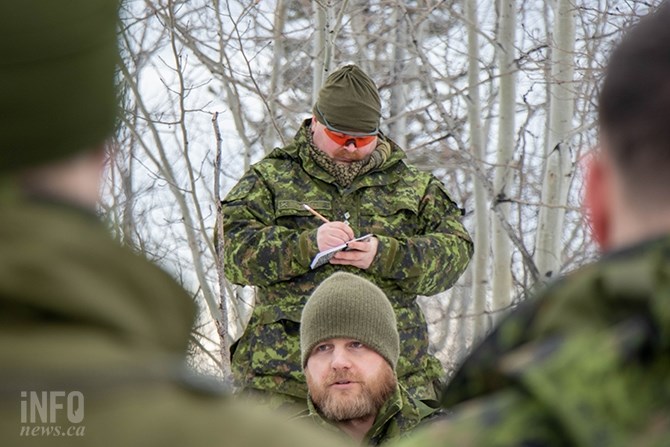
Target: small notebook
point(324, 256)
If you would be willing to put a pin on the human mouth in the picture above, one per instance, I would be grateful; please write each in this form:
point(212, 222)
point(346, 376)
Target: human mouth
point(342, 384)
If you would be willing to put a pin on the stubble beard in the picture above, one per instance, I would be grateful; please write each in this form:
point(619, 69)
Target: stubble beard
point(341, 406)
point(345, 157)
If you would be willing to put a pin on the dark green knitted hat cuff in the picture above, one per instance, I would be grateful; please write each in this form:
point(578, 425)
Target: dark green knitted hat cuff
point(349, 101)
point(348, 306)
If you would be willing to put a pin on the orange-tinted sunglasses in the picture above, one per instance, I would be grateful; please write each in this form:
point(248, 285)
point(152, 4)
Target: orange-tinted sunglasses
point(344, 139)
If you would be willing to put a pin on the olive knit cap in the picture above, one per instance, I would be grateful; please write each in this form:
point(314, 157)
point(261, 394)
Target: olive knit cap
point(349, 102)
point(348, 306)
point(57, 69)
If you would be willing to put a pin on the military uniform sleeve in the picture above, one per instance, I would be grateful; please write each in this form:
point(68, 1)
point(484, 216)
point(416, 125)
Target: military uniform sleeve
point(507, 418)
point(479, 373)
point(432, 260)
point(256, 250)
point(588, 387)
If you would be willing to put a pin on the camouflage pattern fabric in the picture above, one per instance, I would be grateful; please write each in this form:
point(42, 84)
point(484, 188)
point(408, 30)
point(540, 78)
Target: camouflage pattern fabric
point(587, 363)
point(344, 175)
point(398, 417)
point(278, 402)
point(80, 313)
point(270, 240)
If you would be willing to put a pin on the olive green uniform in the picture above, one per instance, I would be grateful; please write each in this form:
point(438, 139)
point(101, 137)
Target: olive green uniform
point(79, 313)
point(399, 415)
point(270, 240)
point(587, 363)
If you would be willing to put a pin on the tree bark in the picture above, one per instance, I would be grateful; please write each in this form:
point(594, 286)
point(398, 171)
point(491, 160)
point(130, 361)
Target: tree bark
point(479, 267)
point(558, 171)
point(502, 254)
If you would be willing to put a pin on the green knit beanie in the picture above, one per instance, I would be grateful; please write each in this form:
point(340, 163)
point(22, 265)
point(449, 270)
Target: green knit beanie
point(348, 306)
point(349, 102)
point(57, 68)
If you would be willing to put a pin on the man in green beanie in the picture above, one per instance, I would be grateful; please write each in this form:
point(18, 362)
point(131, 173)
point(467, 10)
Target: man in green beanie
point(587, 362)
point(93, 337)
point(343, 167)
point(349, 348)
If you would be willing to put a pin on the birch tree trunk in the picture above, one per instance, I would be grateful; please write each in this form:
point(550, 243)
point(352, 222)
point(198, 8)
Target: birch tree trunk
point(360, 33)
point(502, 264)
point(558, 171)
point(276, 85)
point(398, 102)
point(322, 46)
point(481, 236)
point(224, 289)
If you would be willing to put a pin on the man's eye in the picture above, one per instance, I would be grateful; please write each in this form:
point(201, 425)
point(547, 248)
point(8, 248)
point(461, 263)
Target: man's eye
point(321, 348)
point(356, 344)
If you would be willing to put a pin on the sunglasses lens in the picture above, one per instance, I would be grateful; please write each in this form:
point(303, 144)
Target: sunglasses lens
point(336, 137)
point(362, 141)
point(343, 139)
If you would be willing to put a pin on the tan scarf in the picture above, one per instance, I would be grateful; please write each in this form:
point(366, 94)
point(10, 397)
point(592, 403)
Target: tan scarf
point(346, 173)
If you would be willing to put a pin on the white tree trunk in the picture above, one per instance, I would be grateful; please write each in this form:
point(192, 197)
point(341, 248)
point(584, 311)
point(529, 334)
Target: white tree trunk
point(558, 171)
point(360, 33)
point(322, 50)
point(398, 102)
point(502, 263)
point(481, 236)
point(276, 84)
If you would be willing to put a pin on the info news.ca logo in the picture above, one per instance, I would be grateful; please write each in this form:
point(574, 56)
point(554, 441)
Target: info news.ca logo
point(52, 413)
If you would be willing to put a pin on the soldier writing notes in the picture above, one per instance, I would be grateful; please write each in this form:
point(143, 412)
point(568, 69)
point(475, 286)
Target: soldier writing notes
point(341, 165)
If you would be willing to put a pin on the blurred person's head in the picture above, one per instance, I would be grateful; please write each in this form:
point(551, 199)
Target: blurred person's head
point(628, 181)
point(58, 96)
point(346, 115)
point(349, 345)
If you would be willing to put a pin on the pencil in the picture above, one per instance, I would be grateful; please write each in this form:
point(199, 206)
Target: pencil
point(309, 208)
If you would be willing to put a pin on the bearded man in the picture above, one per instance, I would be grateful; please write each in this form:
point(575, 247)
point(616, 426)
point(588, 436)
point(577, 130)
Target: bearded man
point(349, 345)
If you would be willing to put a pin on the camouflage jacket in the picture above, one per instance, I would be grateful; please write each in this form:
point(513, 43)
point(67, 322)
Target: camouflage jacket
point(587, 363)
point(270, 240)
point(399, 415)
point(103, 332)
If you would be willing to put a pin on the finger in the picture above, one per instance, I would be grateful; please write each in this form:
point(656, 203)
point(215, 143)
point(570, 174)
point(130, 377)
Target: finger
point(359, 246)
point(354, 263)
point(330, 236)
point(337, 229)
point(346, 229)
point(347, 255)
point(340, 261)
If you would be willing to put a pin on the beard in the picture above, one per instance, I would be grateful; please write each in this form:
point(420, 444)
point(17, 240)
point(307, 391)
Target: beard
point(344, 156)
point(365, 400)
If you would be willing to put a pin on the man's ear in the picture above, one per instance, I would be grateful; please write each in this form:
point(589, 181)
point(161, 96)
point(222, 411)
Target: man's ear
point(597, 199)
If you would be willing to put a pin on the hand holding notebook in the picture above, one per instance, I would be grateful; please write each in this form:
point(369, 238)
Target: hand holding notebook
point(325, 256)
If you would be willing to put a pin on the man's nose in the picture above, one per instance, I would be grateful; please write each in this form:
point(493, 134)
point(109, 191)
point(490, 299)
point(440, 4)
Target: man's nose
point(340, 359)
point(350, 145)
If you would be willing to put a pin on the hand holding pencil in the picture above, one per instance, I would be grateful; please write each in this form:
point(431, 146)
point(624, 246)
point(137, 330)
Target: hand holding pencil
point(330, 234)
